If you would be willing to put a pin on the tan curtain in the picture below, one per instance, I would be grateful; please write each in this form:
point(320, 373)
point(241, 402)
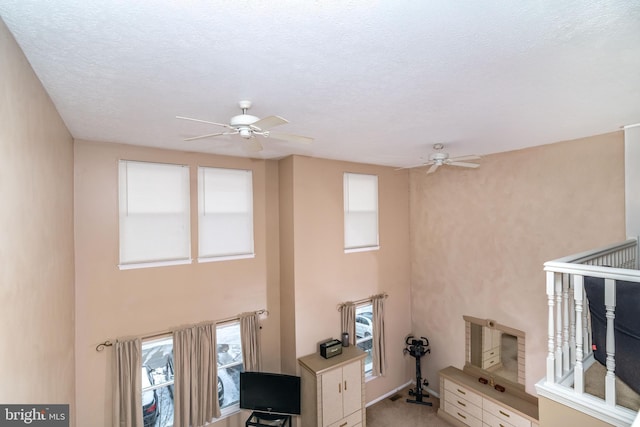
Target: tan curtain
point(348, 320)
point(379, 351)
point(250, 336)
point(196, 376)
point(127, 399)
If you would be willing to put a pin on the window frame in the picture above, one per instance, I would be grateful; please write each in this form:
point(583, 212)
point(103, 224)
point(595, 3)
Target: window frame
point(350, 211)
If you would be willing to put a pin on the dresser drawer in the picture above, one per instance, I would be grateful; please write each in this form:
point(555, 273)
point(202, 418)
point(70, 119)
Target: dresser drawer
point(462, 393)
point(463, 405)
point(462, 415)
point(500, 414)
point(352, 420)
point(492, 361)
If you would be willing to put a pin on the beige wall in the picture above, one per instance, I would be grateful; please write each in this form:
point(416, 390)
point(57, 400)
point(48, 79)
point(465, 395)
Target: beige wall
point(112, 303)
point(480, 238)
point(36, 247)
point(324, 276)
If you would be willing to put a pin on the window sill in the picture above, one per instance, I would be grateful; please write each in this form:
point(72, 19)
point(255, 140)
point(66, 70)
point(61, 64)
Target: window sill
point(364, 249)
point(134, 266)
point(226, 258)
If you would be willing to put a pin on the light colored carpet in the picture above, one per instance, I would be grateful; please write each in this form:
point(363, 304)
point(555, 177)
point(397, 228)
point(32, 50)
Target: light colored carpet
point(393, 413)
point(594, 380)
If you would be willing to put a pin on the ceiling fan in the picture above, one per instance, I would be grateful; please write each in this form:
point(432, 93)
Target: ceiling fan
point(249, 127)
point(440, 158)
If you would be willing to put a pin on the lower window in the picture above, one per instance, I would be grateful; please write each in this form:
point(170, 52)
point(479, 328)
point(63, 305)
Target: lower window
point(364, 333)
point(157, 382)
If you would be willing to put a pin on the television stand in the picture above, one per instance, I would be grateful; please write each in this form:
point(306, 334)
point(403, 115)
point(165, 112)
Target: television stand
point(264, 419)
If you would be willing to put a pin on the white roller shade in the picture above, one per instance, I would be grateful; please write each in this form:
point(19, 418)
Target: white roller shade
point(360, 211)
point(154, 213)
point(225, 213)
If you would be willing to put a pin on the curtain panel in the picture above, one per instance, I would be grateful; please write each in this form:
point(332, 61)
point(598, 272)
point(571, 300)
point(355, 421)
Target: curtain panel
point(379, 367)
point(127, 399)
point(250, 337)
point(196, 376)
point(348, 320)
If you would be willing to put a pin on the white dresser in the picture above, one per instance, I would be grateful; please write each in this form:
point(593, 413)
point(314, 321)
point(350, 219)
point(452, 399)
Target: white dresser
point(333, 389)
point(465, 401)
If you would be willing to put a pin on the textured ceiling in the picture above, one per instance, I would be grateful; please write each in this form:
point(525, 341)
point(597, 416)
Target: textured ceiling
point(372, 81)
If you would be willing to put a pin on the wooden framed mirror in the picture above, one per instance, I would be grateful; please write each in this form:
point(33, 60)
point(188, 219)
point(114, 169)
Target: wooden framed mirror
point(495, 352)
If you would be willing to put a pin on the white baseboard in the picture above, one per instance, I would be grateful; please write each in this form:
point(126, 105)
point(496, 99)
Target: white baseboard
point(391, 393)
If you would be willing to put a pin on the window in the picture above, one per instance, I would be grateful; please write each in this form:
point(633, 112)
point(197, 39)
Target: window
point(364, 333)
point(229, 349)
point(157, 382)
point(225, 213)
point(154, 214)
point(360, 212)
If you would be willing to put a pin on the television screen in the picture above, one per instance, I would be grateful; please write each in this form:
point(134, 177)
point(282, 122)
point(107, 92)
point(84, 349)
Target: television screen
point(268, 392)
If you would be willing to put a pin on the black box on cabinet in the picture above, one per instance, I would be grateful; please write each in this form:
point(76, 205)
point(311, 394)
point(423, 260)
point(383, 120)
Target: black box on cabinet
point(330, 348)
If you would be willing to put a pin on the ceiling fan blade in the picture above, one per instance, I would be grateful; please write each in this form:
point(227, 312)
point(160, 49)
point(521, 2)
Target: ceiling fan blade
point(290, 137)
point(204, 121)
point(269, 122)
point(254, 145)
point(465, 158)
point(421, 165)
point(464, 164)
point(209, 135)
point(433, 168)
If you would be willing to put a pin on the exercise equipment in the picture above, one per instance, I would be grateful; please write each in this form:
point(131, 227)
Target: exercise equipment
point(418, 348)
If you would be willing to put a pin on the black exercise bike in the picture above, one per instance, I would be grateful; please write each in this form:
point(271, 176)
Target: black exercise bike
point(418, 348)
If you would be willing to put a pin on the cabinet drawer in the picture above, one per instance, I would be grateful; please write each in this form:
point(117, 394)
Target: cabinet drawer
point(462, 392)
point(492, 361)
point(352, 420)
point(461, 415)
point(502, 414)
point(463, 405)
point(490, 354)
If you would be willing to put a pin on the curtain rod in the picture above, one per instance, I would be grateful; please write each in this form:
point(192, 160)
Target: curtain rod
point(363, 300)
point(108, 343)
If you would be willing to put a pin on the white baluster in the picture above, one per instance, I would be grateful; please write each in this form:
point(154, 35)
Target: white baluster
point(566, 361)
point(610, 304)
point(578, 372)
point(551, 375)
point(559, 322)
point(572, 324)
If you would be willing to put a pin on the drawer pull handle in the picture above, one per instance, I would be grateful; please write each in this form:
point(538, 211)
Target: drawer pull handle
point(462, 415)
point(501, 425)
point(462, 403)
point(344, 424)
point(461, 391)
point(504, 413)
point(345, 386)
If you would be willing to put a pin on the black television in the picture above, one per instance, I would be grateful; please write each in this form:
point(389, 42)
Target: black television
point(270, 393)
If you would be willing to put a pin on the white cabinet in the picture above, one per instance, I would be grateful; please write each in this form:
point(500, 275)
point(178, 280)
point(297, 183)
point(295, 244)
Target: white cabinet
point(333, 389)
point(466, 402)
point(491, 342)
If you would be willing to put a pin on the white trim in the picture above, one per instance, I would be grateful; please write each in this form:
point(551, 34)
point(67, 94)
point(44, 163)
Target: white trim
point(362, 249)
point(631, 126)
point(154, 264)
point(586, 403)
point(225, 258)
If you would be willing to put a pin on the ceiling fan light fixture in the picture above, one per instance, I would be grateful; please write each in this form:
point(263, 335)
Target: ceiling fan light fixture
point(245, 133)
